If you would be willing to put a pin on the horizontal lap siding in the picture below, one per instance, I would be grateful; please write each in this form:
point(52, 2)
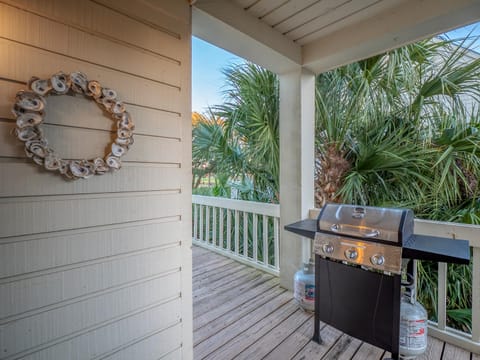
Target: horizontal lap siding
point(132, 89)
point(58, 287)
point(145, 149)
point(97, 268)
point(135, 177)
point(48, 252)
point(32, 215)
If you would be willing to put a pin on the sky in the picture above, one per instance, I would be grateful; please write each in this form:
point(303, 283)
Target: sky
point(207, 79)
point(208, 62)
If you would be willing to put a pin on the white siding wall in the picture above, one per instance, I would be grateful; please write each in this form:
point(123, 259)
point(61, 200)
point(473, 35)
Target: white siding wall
point(98, 268)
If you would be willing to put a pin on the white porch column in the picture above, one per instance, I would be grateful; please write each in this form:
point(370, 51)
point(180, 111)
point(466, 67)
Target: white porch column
point(297, 131)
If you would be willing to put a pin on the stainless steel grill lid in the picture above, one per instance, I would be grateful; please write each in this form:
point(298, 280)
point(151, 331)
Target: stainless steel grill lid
point(367, 222)
point(372, 237)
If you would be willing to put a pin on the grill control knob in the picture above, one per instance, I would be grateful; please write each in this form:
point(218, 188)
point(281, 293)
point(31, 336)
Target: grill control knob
point(351, 254)
point(327, 248)
point(377, 259)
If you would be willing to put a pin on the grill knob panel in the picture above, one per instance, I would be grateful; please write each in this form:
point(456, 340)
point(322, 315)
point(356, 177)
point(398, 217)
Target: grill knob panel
point(377, 259)
point(327, 248)
point(351, 254)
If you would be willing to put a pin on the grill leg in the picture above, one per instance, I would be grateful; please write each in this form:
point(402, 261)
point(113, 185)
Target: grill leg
point(396, 317)
point(316, 327)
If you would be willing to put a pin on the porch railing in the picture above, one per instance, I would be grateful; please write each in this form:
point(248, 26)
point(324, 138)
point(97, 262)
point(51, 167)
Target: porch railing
point(470, 342)
point(244, 230)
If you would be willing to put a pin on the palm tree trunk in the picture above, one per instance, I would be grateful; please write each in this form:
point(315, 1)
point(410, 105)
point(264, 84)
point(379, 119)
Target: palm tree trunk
point(331, 167)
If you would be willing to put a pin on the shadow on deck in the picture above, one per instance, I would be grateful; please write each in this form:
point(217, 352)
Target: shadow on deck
point(240, 312)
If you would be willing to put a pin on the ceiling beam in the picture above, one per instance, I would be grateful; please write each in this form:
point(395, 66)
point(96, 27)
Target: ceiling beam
point(227, 25)
point(410, 21)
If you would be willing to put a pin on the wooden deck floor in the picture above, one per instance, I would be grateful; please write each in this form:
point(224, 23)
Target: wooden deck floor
point(241, 313)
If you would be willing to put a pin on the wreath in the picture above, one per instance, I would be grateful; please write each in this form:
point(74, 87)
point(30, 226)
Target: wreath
point(29, 110)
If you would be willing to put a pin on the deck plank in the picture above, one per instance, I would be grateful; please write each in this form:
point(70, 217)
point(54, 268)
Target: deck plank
point(368, 352)
point(201, 259)
point(237, 337)
point(434, 350)
point(242, 313)
point(211, 301)
point(260, 348)
point(313, 350)
point(288, 348)
point(231, 311)
point(198, 255)
point(453, 352)
point(233, 329)
point(211, 277)
point(344, 349)
point(236, 279)
point(210, 269)
point(209, 264)
point(197, 250)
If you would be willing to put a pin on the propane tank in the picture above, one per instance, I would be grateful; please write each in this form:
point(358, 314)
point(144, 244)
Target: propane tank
point(304, 286)
point(413, 328)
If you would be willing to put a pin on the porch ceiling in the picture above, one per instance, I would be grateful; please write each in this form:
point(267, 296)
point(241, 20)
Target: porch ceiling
point(323, 34)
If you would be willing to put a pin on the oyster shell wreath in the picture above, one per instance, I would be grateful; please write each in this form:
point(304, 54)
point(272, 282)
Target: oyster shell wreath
point(29, 110)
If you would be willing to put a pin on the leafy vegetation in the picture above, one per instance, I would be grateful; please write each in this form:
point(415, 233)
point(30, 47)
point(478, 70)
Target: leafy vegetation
point(402, 134)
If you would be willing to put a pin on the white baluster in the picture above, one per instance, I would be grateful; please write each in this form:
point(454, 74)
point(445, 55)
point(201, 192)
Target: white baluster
point(201, 224)
point(195, 221)
point(476, 295)
point(220, 230)
point(214, 225)
point(255, 237)
point(207, 224)
point(245, 234)
point(237, 232)
point(265, 240)
point(229, 230)
point(276, 242)
point(442, 296)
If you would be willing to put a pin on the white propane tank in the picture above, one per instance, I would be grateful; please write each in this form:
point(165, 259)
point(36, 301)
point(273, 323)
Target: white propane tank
point(413, 329)
point(304, 287)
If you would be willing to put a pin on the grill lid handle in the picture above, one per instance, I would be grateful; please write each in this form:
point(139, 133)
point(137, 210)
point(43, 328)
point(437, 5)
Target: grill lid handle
point(372, 234)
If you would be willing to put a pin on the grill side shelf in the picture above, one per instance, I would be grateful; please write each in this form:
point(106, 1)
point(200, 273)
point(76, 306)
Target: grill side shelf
point(419, 247)
point(306, 228)
point(434, 248)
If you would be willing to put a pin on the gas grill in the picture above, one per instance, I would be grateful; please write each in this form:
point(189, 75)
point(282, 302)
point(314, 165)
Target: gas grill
point(359, 252)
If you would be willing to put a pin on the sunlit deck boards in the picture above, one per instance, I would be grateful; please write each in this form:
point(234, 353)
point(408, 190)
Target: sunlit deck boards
point(241, 313)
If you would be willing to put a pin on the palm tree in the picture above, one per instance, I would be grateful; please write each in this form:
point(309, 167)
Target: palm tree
point(213, 152)
point(239, 140)
point(392, 129)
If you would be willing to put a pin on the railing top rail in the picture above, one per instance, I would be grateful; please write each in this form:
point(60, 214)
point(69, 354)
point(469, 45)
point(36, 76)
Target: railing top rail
point(241, 205)
point(449, 230)
point(439, 228)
